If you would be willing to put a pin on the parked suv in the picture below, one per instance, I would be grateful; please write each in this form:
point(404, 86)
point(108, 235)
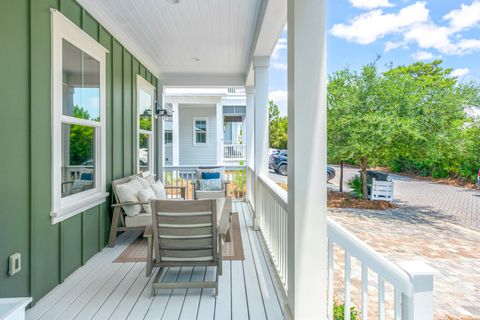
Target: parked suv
point(279, 163)
point(478, 178)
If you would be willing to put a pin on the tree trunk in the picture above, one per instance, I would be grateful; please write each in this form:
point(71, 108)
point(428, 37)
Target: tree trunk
point(363, 164)
point(341, 176)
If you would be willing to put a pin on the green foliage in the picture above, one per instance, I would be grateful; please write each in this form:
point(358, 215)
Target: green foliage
point(356, 184)
point(278, 128)
point(81, 139)
point(411, 118)
point(339, 312)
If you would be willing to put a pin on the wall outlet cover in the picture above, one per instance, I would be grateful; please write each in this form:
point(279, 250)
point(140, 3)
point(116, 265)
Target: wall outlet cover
point(15, 263)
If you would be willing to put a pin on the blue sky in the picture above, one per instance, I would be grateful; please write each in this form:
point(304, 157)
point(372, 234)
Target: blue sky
point(400, 31)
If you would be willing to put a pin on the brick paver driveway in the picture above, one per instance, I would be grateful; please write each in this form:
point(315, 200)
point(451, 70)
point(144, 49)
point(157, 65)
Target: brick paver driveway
point(412, 234)
point(460, 205)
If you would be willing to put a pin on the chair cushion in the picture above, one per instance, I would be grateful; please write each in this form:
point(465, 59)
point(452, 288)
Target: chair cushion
point(128, 192)
point(142, 181)
point(210, 185)
point(145, 195)
point(150, 179)
point(159, 190)
point(140, 220)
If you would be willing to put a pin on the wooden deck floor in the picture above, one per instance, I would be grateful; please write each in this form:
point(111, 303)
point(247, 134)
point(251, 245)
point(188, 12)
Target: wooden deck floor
point(102, 289)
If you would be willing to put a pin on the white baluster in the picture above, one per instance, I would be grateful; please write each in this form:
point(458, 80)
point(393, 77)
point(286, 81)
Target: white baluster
point(348, 262)
point(381, 298)
point(330, 279)
point(364, 292)
point(398, 304)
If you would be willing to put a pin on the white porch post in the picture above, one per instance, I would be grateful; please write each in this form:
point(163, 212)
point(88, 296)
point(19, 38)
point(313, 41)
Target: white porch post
point(248, 133)
point(260, 68)
point(175, 135)
point(219, 133)
point(307, 159)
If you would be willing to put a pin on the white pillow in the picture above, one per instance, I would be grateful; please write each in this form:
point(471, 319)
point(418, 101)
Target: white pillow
point(150, 179)
point(142, 181)
point(146, 195)
point(159, 191)
point(128, 192)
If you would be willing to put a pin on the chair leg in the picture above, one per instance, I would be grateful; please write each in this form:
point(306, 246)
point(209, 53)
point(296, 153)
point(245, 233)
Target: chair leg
point(149, 257)
point(114, 226)
point(216, 283)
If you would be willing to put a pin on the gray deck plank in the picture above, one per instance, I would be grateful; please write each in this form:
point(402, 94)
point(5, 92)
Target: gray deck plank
point(206, 309)
point(269, 293)
point(256, 308)
point(162, 296)
point(192, 299)
point(223, 308)
point(177, 297)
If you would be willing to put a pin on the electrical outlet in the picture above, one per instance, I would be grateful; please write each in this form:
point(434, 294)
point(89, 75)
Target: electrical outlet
point(15, 263)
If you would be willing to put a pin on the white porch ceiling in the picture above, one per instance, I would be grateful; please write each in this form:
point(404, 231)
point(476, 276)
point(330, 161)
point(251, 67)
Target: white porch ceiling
point(209, 39)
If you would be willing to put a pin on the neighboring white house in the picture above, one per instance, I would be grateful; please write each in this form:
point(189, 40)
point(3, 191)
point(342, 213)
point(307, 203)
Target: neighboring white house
point(206, 127)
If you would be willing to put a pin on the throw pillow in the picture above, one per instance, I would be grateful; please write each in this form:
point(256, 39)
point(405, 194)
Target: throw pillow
point(146, 195)
point(210, 184)
point(210, 175)
point(150, 179)
point(128, 192)
point(142, 181)
point(159, 190)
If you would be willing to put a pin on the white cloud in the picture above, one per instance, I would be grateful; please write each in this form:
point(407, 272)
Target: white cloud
point(278, 65)
point(464, 17)
point(370, 26)
point(423, 55)
point(370, 4)
point(390, 45)
point(279, 97)
point(415, 25)
point(281, 45)
point(460, 72)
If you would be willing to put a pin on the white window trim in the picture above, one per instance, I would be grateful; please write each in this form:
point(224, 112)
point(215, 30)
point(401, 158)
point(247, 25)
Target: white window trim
point(64, 208)
point(146, 86)
point(195, 143)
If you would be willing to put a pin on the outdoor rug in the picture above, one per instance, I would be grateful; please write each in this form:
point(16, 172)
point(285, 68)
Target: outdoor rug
point(233, 250)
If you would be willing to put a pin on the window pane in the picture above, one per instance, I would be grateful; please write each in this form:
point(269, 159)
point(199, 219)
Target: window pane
point(144, 152)
point(78, 159)
point(201, 137)
point(168, 136)
point(145, 110)
point(81, 83)
point(201, 125)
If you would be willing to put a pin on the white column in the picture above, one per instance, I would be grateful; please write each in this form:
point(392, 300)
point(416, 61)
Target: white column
point(260, 68)
point(248, 130)
point(219, 133)
point(175, 135)
point(307, 159)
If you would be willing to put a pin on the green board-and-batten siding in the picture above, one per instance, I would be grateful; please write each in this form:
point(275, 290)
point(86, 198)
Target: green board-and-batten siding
point(51, 252)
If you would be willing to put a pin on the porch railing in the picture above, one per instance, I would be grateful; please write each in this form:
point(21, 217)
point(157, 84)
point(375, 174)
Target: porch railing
point(234, 152)
point(184, 176)
point(412, 282)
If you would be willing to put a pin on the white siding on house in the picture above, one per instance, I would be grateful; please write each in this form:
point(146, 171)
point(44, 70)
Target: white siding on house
point(190, 154)
point(168, 154)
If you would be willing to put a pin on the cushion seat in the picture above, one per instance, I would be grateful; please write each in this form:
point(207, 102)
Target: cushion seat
point(140, 220)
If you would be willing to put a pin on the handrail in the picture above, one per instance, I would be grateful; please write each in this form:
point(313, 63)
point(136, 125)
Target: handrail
point(376, 262)
point(280, 194)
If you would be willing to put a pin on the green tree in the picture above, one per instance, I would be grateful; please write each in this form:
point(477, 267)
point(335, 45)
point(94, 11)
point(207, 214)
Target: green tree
point(81, 138)
point(278, 127)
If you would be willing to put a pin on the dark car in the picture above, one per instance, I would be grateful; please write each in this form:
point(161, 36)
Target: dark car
point(279, 163)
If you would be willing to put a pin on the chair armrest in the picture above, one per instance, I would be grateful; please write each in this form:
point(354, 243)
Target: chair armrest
point(130, 203)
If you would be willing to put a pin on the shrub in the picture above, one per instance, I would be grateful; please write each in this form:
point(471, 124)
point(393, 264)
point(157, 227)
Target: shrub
point(356, 184)
point(339, 311)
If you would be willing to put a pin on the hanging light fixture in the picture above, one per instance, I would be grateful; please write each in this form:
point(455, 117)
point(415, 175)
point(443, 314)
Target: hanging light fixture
point(163, 112)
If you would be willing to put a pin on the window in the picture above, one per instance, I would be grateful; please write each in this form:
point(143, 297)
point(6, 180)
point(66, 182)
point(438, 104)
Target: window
point(168, 131)
point(78, 120)
point(200, 131)
point(145, 102)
